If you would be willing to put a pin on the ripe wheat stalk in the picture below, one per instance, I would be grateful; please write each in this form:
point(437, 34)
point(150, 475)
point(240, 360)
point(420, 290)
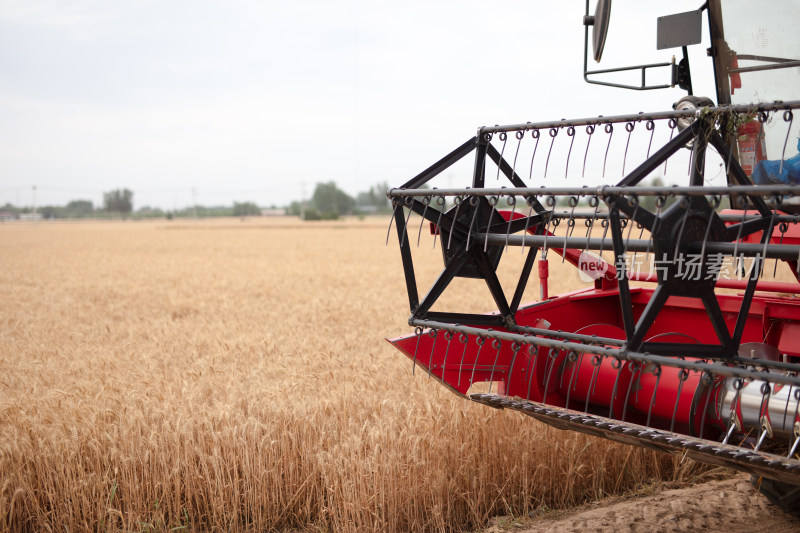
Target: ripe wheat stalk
point(233, 376)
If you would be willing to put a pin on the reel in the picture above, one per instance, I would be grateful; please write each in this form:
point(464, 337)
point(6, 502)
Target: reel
point(666, 358)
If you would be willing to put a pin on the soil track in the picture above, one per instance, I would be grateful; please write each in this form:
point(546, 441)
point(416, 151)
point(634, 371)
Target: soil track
point(730, 505)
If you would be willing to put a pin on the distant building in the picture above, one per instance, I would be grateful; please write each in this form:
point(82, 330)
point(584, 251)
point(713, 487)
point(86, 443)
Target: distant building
point(5, 216)
point(30, 217)
point(273, 212)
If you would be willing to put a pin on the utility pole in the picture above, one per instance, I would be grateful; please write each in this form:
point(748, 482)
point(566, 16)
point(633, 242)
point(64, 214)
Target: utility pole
point(194, 201)
point(34, 200)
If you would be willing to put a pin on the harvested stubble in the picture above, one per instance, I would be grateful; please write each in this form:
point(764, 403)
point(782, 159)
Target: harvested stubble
point(224, 376)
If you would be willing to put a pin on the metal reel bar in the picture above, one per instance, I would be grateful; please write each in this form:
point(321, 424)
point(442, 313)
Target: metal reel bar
point(638, 117)
point(782, 373)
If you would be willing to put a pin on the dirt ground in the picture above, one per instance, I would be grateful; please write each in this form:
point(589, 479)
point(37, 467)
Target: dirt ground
point(730, 505)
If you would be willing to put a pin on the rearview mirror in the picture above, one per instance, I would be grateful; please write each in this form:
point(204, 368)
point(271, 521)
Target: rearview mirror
point(599, 23)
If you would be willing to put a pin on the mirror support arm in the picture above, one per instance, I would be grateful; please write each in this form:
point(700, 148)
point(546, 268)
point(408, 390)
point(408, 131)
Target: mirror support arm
point(643, 68)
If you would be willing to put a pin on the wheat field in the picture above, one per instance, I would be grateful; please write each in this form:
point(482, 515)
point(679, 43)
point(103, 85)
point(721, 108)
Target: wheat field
point(232, 375)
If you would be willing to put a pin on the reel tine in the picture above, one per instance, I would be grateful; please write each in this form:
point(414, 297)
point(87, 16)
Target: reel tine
point(589, 132)
point(594, 201)
point(617, 365)
point(529, 201)
point(504, 138)
point(408, 200)
point(512, 201)
point(553, 132)
point(635, 369)
point(457, 201)
point(683, 226)
point(556, 223)
point(464, 338)
point(426, 201)
point(651, 127)
point(588, 222)
point(786, 407)
point(641, 234)
point(550, 201)
point(763, 116)
point(631, 221)
point(499, 346)
point(449, 336)
point(707, 379)
point(660, 202)
point(535, 134)
point(657, 374)
point(515, 347)
point(572, 356)
point(532, 360)
point(492, 203)
point(552, 355)
point(441, 205)
point(629, 128)
point(580, 362)
point(571, 133)
point(740, 201)
point(637, 386)
point(473, 201)
point(763, 259)
point(671, 123)
point(716, 201)
point(596, 361)
point(573, 201)
point(394, 211)
point(435, 334)
point(519, 134)
point(561, 375)
point(783, 227)
point(570, 231)
point(787, 117)
point(683, 375)
point(480, 340)
point(609, 128)
point(603, 224)
point(418, 332)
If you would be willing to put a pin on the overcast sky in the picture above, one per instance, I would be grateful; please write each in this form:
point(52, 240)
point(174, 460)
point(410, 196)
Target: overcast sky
point(259, 101)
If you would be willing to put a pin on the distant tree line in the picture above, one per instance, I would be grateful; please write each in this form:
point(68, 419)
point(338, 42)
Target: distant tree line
point(119, 201)
point(328, 202)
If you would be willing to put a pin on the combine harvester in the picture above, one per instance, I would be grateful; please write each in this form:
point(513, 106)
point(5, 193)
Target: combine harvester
point(681, 358)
